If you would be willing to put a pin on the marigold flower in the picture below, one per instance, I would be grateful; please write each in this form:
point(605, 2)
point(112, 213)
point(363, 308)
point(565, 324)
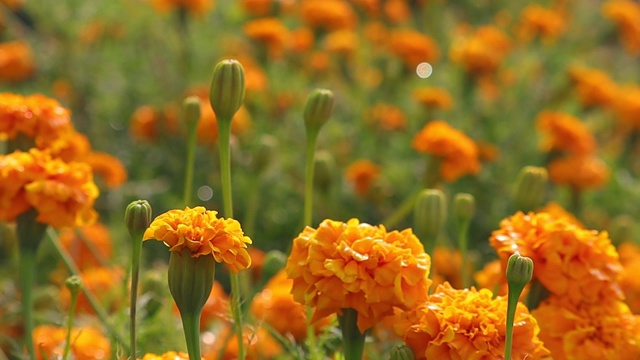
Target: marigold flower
point(626, 15)
point(492, 277)
point(536, 20)
point(358, 266)
point(447, 267)
point(557, 211)
point(207, 129)
point(569, 261)
point(171, 355)
point(203, 233)
point(627, 107)
point(103, 283)
point(362, 174)
point(433, 98)
point(387, 117)
point(108, 167)
point(37, 116)
point(342, 42)
point(328, 14)
point(468, 324)
point(594, 87)
point(70, 146)
point(458, 152)
point(580, 172)
point(397, 11)
point(413, 47)
point(270, 31)
point(16, 61)
point(82, 242)
point(482, 52)
point(629, 282)
point(603, 330)
point(565, 132)
point(302, 40)
point(86, 343)
point(144, 123)
point(13, 178)
point(195, 7)
point(258, 344)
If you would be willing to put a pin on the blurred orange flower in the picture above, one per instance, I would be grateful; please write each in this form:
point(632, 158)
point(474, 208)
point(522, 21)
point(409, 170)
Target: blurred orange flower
point(576, 263)
point(105, 285)
point(195, 7)
point(328, 14)
point(70, 146)
point(362, 174)
point(144, 123)
point(258, 344)
point(492, 277)
point(433, 98)
point(16, 61)
point(468, 324)
point(201, 232)
point(536, 20)
point(603, 330)
point(564, 132)
point(579, 172)
point(413, 47)
point(626, 15)
point(207, 129)
point(86, 343)
point(397, 11)
point(458, 152)
point(627, 107)
point(558, 212)
point(171, 355)
point(88, 245)
point(387, 117)
point(108, 167)
point(482, 52)
point(341, 42)
point(358, 266)
point(447, 267)
point(270, 31)
point(301, 40)
point(594, 87)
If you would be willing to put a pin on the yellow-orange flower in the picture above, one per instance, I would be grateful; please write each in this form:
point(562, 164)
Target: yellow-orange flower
point(258, 344)
point(397, 11)
point(362, 174)
point(387, 117)
point(458, 152)
point(492, 277)
point(13, 178)
point(70, 146)
point(16, 61)
point(539, 21)
point(103, 283)
point(201, 232)
point(108, 167)
point(358, 266)
point(627, 107)
point(468, 324)
point(413, 47)
point(577, 263)
point(275, 306)
point(433, 98)
point(144, 123)
point(328, 14)
point(626, 15)
point(447, 267)
point(629, 281)
point(88, 245)
point(604, 330)
point(87, 343)
point(195, 7)
point(564, 132)
point(270, 31)
point(594, 87)
point(482, 52)
point(579, 172)
point(342, 42)
point(171, 355)
point(557, 211)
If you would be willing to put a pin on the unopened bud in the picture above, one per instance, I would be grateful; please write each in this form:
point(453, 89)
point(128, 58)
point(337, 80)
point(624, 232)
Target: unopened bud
point(227, 89)
point(519, 271)
point(530, 188)
point(137, 217)
point(430, 215)
point(74, 284)
point(464, 207)
point(401, 352)
point(191, 111)
point(318, 109)
point(325, 170)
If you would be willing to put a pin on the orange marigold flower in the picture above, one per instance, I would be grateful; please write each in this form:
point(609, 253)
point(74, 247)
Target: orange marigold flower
point(594, 87)
point(413, 47)
point(328, 14)
point(258, 344)
point(195, 7)
point(557, 211)
point(171, 355)
point(207, 129)
point(387, 117)
point(70, 146)
point(203, 233)
point(603, 330)
point(103, 283)
point(536, 20)
point(447, 267)
point(626, 15)
point(362, 174)
point(275, 306)
point(629, 281)
point(580, 172)
point(13, 178)
point(37, 117)
point(492, 277)
point(86, 343)
point(358, 266)
point(108, 167)
point(301, 40)
point(458, 152)
point(482, 52)
point(16, 61)
point(468, 324)
point(89, 246)
point(144, 123)
point(577, 263)
point(258, 7)
point(433, 98)
point(397, 11)
point(627, 107)
point(270, 31)
point(565, 132)
point(343, 42)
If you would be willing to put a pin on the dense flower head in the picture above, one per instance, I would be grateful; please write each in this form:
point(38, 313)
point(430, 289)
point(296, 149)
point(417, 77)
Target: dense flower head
point(222, 345)
point(275, 306)
point(201, 232)
point(540, 21)
point(328, 14)
point(627, 107)
point(481, 52)
point(413, 47)
point(557, 211)
point(387, 117)
point(433, 98)
point(88, 343)
point(103, 283)
point(170, 355)
point(356, 265)
point(109, 168)
point(577, 263)
point(13, 178)
point(468, 324)
point(604, 330)
point(88, 245)
point(16, 61)
point(195, 7)
point(579, 171)
point(362, 174)
point(594, 87)
point(626, 15)
point(565, 132)
point(629, 281)
point(269, 31)
point(458, 152)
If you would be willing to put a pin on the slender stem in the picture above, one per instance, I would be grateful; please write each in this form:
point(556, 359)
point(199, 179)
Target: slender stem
point(93, 249)
point(311, 336)
point(133, 299)
point(72, 310)
point(463, 245)
point(224, 136)
point(236, 312)
point(191, 325)
point(312, 139)
point(27, 270)
point(402, 211)
point(512, 303)
point(352, 338)
point(191, 154)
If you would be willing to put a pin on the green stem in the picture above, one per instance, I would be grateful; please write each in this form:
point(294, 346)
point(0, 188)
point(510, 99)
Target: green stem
point(402, 211)
point(352, 338)
point(27, 271)
point(236, 312)
point(191, 326)
point(312, 139)
point(191, 155)
point(311, 336)
point(224, 136)
point(463, 245)
point(512, 303)
point(72, 310)
point(133, 299)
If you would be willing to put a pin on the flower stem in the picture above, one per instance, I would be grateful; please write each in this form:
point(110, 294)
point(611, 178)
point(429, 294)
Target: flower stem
point(352, 338)
point(72, 310)
point(191, 326)
point(463, 245)
point(191, 154)
point(312, 139)
point(236, 312)
point(133, 299)
point(27, 269)
point(512, 303)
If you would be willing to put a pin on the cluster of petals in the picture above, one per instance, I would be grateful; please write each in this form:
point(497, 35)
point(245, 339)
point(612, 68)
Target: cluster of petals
point(467, 324)
point(540, 21)
point(359, 266)
point(604, 330)
point(482, 51)
point(579, 171)
point(328, 14)
point(88, 343)
point(170, 355)
point(62, 193)
point(626, 15)
point(459, 153)
point(362, 174)
point(201, 232)
point(576, 263)
point(594, 87)
point(564, 132)
point(413, 47)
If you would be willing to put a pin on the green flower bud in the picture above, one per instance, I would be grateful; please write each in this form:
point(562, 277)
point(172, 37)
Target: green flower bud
point(265, 153)
point(190, 280)
point(318, 109)
point(191, 111)
point(430, 215)
point(401, 352)
point(74, 284)
point(325, 170)
point(464, 207)
point(227, 89)
point(137, 217)
point(530, 188)
point(519, 271)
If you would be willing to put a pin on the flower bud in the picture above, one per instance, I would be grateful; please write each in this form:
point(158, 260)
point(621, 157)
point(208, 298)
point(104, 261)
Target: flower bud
point(401, 352)
point(137, 217)
point(191, 111)
point(190, 280)
point(227, 89)
point(430, 215)
point(325, 170)
point(74, 284)
point(530, 188)
point(318, 109)
point(265, 153)
point(519, 271)
point(464, 207)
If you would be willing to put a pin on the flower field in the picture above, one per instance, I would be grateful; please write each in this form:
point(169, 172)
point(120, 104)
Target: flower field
point(319, 179)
